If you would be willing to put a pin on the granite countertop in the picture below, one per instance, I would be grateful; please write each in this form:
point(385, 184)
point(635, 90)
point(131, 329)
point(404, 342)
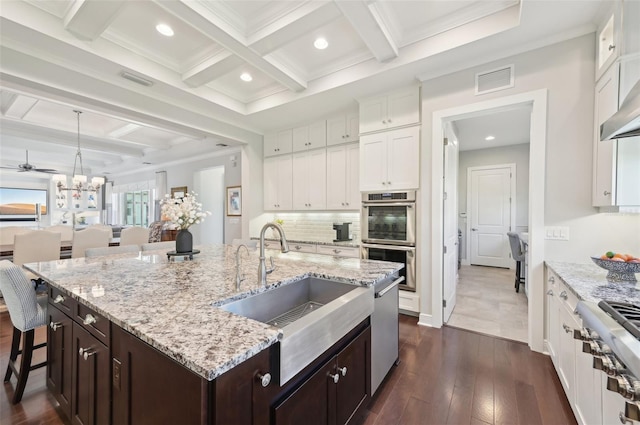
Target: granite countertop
point(330, 242)
point(172, 305)
point(589, 283)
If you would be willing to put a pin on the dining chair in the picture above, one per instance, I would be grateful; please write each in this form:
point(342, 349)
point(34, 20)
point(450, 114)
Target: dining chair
point(8, 233)
point(111, 250)
point(66, 232)
point(170, 245)
point(517, 253)
point(27, 313)
point(35, 246)
point(89, 238)
point(134, 236)
point(102, 227)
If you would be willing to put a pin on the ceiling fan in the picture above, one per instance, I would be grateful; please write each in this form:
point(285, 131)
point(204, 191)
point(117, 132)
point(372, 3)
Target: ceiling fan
point(30, 167)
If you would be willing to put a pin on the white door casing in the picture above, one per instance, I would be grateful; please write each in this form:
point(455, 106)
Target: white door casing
point(491, 212)
point(450, 237)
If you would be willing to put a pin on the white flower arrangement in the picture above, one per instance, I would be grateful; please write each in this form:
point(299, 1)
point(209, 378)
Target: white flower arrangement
point(183, 212)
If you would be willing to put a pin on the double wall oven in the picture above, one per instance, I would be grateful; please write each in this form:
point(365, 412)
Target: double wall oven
point(388, 226)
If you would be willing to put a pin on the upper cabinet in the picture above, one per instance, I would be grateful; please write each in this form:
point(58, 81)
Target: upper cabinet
point(607, 45)
point(278, 172)
point(310, 136)
point(343, 128)
point(390, 160)
point(618, 36)
point(343, 187)
point(278, 143)
point(309, 182)
point(397, 109)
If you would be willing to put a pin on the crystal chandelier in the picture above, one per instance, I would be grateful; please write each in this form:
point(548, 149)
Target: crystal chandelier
point(79, 181)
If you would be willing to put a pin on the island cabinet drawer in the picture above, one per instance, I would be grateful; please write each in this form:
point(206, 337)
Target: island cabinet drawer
point(302, 247)
point(61, 301)
point(95, 323)
point(339, 251)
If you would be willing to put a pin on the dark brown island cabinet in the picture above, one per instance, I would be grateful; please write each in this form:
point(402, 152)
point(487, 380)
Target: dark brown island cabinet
point(102, 374)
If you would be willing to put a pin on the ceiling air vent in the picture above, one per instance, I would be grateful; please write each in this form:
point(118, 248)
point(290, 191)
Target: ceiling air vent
point(494, 80)
point(136, 78)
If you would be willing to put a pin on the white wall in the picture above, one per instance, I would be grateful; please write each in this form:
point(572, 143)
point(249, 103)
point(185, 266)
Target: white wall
point(209, 184)
point(518, 154)
point(567, 70)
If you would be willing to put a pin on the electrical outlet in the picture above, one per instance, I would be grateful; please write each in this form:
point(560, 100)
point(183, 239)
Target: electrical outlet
point(556, 233)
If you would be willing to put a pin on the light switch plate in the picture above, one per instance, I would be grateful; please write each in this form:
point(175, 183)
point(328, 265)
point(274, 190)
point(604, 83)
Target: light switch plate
point(556, 233)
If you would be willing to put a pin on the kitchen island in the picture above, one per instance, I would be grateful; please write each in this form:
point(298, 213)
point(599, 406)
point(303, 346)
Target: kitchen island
point(172, 306)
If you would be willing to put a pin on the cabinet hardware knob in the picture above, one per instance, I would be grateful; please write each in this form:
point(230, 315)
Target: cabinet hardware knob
point(343, 204)
point(265, 379)
point(389, 120)
point(335, 377)
point(550, 292)
point(566, 328)
point(384, 122)
point(55, 325)
point(89, 319)
point(343, 136)
point(607, 193)
point(563, 295)
point(338, 251)
point(611, 47)
point(624, 419)
point(58, 299)
point(552, 279)
point(388, 182)
point(343, 370)
point(347, 136)
point(473, 229)
point(347, 204)
point(88, 354)
point(298, 247)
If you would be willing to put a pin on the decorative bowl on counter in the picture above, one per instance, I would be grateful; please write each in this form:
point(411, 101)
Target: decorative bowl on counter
point(618, 270)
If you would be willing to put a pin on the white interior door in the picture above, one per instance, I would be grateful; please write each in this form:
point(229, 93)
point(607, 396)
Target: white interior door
point(490, 191)
point(450, 213)
point(209, 185)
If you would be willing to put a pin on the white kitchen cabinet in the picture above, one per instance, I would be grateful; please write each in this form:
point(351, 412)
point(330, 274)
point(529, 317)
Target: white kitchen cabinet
point(343, 177)
point(279, 143)
point(390, 160)
point(607, 48)
point(553, 320)
point(310, 180)
point(343, 128)
point(397, 109)
point(278, 173)
point(309, 248)
point(310, 136)
point(339, 251)
point(588, 405)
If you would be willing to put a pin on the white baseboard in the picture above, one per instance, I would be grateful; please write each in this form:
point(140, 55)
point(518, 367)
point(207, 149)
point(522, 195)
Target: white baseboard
point(465, 262)
point(425, 320)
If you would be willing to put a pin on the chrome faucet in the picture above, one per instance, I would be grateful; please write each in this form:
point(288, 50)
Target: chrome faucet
point(284, 247)
point(239, 277)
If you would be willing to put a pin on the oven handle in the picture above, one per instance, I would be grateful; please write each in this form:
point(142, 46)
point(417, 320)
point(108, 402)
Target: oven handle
point(388, 204)
point(390, 287)
point(390, 247)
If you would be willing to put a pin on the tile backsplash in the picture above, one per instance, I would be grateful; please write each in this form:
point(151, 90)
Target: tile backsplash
point(318, 227)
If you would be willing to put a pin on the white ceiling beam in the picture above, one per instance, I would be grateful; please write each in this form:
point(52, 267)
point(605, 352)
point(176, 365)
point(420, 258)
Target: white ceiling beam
point(373, 31)
point(207, 22)
point(123, 130)
point(88, 19)
point(20, 107)
point(211, 68)
point(294, 25)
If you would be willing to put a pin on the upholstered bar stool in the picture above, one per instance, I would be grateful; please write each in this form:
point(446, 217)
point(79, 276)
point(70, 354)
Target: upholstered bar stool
point(26, 314)
point(517, 253)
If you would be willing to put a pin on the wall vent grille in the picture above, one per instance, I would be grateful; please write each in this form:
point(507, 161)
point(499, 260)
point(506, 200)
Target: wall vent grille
point(494, 80)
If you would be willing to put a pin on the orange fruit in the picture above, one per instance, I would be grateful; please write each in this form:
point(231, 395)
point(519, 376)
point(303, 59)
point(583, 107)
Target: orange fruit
point(604, 257)
point(623, 257)
point(617, 259)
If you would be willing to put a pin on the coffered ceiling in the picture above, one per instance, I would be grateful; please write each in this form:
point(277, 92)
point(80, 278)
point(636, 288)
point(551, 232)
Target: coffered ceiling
point(151, 98)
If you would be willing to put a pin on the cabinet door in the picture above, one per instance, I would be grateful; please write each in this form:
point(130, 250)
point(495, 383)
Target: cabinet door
point(270, 147)
point(403, 108)
point(59, 358)
point(151, 388)
point(607, 45)
point(553, 320)
point(317, 135)
point(336, 130)
point(300, 181)
point(337, 185)
point(300, 139)
point(604, 153)
point(353, 366)
point(567, 352)
point(285, 142)
point(270, 184)
point(317, 179)
point(91, 380)
point(312, 403)
point(353, 128)
point(373, 114)
point(403, 164)
point(285, 175)
point(373, 162)
point(353, 177)
point(588, 391)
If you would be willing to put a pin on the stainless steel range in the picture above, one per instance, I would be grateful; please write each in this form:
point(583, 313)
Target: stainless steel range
point(611, 334)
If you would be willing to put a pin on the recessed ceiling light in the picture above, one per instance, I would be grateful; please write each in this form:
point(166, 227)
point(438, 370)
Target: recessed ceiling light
point(245, 76)
point(165, 30)
point(489, 138)
point(320, 43)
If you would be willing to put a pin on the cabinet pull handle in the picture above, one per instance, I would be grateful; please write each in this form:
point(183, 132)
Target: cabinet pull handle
point(88, 354)
point(337, 251)
point(58, 299)
point(55, 325)
point(563, 295)
point(607, 193)
point(265, 379)
point(624, 419)
point(89, 319)
point(611, 47)
point(343, 370)
point(335, 377)
point(552, 279)
point(566, 328)
point(550, 292)
point(298, 247)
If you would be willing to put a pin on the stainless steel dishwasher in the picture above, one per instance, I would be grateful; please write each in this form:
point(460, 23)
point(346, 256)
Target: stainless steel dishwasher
point(384, 330)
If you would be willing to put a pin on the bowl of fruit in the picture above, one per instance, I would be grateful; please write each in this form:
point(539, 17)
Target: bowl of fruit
point(620, 266)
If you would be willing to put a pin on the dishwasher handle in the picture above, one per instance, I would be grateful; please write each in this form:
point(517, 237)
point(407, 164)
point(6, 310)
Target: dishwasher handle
point(390, 287)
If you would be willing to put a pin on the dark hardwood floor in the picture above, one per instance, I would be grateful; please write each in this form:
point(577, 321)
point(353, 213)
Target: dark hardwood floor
point(446, 376)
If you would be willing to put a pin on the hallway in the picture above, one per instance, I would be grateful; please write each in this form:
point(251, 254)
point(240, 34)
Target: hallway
point(488, 303)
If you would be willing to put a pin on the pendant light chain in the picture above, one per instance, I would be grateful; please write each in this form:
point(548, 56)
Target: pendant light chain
point(78, 153)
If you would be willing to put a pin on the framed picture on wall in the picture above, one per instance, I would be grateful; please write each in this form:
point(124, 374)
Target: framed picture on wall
point(178, 192)
point(234, 200)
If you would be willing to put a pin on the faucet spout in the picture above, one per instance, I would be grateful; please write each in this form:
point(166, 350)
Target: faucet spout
point(284, 247)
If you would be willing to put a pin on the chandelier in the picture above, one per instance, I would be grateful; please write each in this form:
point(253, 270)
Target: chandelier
point(79, 181)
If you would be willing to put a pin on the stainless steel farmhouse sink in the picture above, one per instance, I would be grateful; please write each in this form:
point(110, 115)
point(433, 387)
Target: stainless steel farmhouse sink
point(313, 314)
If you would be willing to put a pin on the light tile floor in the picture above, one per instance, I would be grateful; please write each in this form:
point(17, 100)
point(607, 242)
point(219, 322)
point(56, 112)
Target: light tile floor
point(487, 302)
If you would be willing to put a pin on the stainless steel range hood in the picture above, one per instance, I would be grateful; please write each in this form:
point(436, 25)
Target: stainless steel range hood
point(625, 122)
